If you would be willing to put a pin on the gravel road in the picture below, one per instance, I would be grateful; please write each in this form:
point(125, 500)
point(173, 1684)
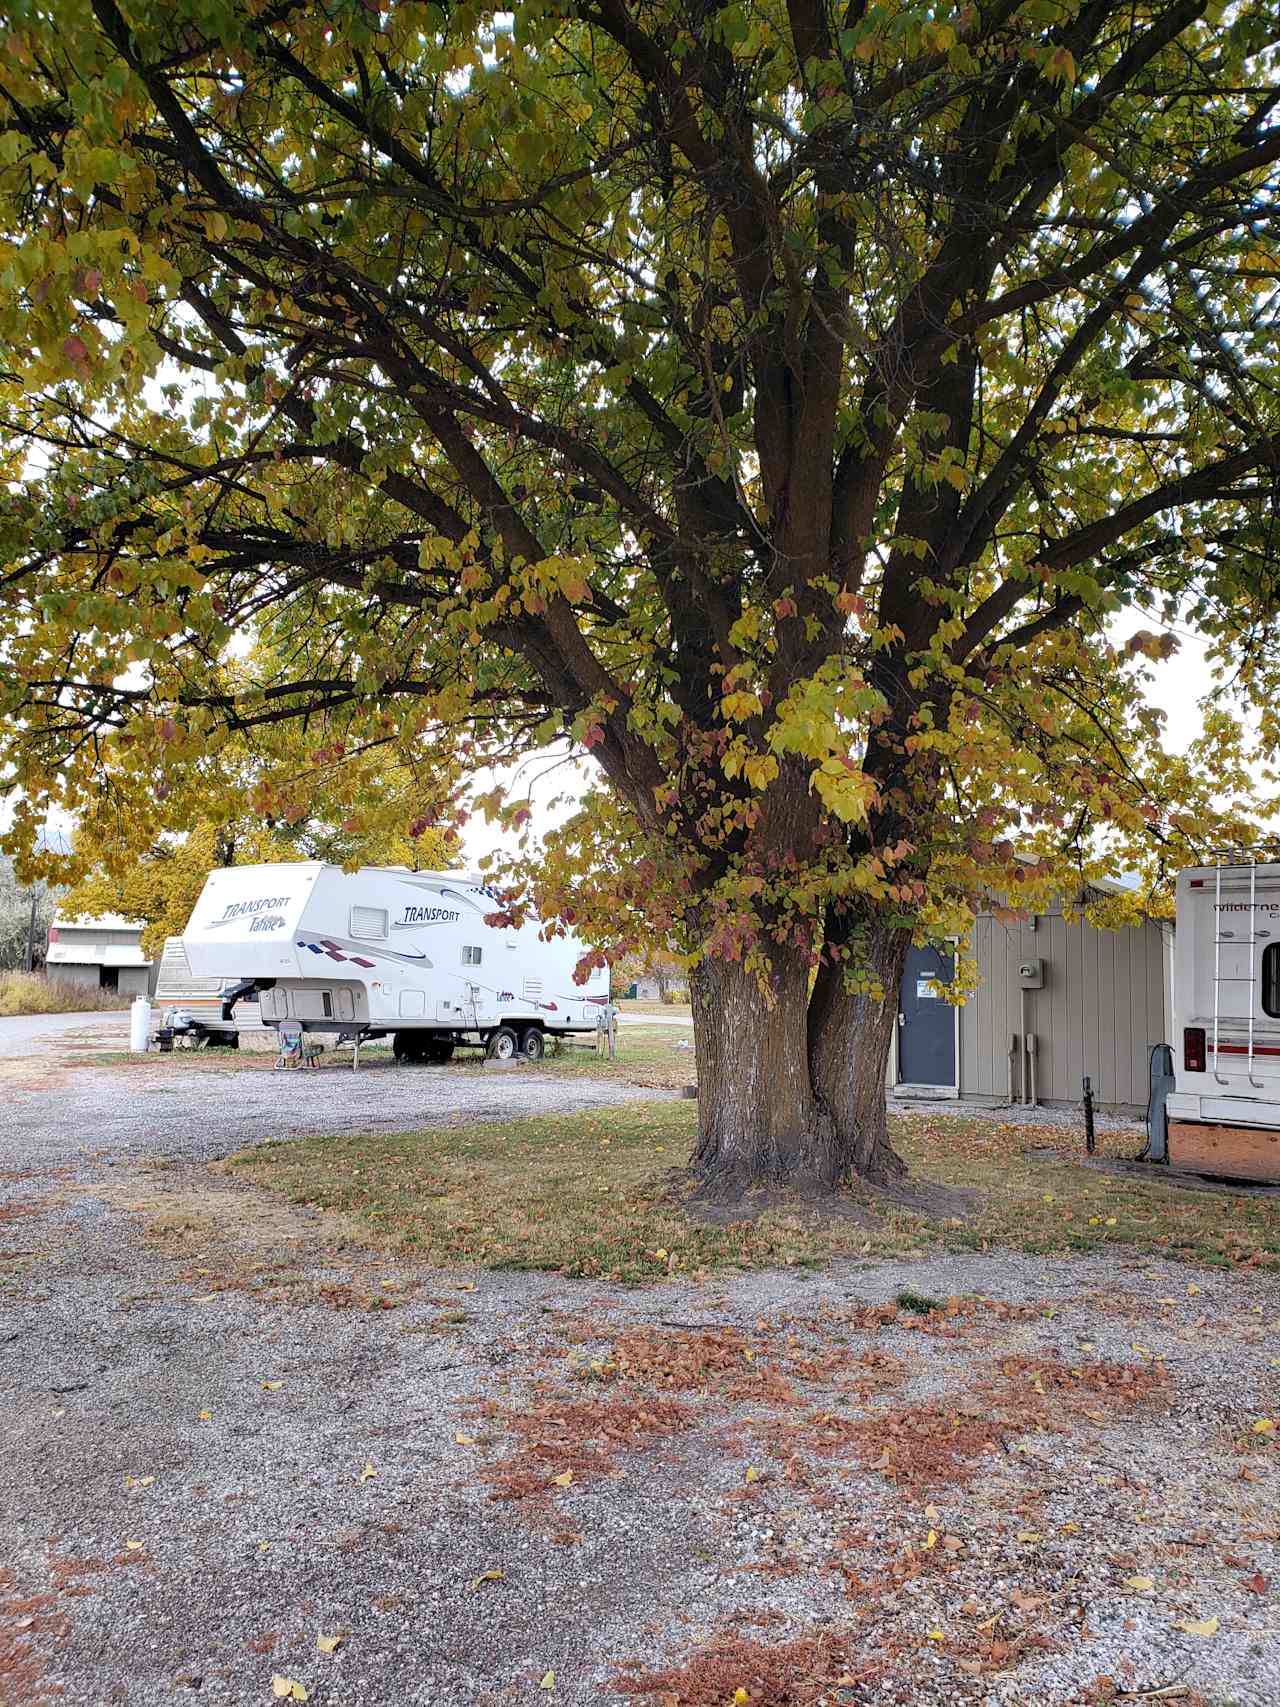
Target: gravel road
point(34, 1035)
point(199, 1481)
point(201, 1112)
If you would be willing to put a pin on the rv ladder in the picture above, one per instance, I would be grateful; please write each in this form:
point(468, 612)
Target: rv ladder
point(1219, 977)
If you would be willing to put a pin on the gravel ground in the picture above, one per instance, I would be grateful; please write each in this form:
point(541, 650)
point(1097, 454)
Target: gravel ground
point(26, 1035)
point(197, 1482)
point(54, 1111)
point(1069, 1117)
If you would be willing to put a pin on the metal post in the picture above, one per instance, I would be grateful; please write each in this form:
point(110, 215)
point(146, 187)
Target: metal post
point(1088, 1116)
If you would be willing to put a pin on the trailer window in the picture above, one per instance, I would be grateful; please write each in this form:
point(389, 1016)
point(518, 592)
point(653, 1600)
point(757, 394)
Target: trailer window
point(369, 922)
point(1271, 980)
point(471, 956)
point(326, 1004)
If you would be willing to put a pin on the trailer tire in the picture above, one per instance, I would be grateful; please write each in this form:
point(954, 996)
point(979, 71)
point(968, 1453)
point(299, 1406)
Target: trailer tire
point(503, 1044)
point(439, 1050)
point(408, 1046)
point(533, 1043)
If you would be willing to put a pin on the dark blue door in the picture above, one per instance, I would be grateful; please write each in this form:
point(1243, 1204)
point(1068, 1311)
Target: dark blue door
point(927, 1029)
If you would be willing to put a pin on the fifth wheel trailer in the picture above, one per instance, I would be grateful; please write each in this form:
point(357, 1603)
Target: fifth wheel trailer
point(1223, 1110)
point(387, 950)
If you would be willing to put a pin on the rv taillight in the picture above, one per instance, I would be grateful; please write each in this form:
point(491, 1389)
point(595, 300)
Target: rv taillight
point(1193, 1049)
point(53, 933)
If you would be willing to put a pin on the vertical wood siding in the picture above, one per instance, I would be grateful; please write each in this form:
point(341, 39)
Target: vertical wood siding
point(1100, 1011)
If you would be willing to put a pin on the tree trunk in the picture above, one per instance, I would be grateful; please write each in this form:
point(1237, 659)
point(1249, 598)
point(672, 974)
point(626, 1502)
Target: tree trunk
point(850, 1035)
point(759, 1122)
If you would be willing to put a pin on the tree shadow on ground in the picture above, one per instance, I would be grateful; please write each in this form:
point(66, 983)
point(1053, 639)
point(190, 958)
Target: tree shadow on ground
point(819, 1206)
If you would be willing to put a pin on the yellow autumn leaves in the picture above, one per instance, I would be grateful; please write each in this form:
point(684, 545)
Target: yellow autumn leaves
point(293, 1689)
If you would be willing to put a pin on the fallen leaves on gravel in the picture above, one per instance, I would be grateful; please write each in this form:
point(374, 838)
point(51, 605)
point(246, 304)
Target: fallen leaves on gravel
point(368, 1473)
point(1197, 1626)
point(800, 1673)
point(288, 1689)
point(329, 1644)
point(564, 1443)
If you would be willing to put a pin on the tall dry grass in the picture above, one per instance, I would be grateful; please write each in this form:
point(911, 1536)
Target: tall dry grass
point(33, 993)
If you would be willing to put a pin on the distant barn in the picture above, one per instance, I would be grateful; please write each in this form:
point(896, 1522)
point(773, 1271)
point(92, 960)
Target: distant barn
point(104, 952)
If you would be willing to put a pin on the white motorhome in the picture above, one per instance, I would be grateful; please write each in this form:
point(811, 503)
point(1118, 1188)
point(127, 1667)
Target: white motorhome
point(1224, 1107)
point(388, 950)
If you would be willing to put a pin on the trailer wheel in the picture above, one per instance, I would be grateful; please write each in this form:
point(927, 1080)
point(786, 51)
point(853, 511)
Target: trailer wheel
point(407, 1046)
point(503, 1044)
point(533, 1044)
point(440, 1050)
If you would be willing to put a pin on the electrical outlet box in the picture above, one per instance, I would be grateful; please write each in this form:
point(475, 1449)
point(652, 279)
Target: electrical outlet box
point(1031, 973)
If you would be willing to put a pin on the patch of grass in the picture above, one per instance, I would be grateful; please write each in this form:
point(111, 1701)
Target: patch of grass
point(26, 993)
point(917, 1304)
point(584, 1194)
point(1049, 1206)
point(596, 1194)
point(647, 1055)
point(677, 1010)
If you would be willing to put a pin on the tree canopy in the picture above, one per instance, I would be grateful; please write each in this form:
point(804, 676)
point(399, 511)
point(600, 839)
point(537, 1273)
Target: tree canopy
point(147, 857)
point(778, 400)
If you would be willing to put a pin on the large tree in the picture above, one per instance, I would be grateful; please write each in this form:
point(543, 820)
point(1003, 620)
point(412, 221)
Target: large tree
point(779, 400)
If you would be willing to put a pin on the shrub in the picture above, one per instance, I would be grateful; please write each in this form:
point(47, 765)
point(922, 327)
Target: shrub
point(33, 993)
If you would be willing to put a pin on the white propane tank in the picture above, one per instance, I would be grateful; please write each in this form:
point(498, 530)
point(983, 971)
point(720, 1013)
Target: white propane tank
point(139, 1025)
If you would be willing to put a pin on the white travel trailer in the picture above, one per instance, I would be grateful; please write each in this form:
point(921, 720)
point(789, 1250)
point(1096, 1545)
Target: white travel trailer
point(388, 950)
point(1224, 1107)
